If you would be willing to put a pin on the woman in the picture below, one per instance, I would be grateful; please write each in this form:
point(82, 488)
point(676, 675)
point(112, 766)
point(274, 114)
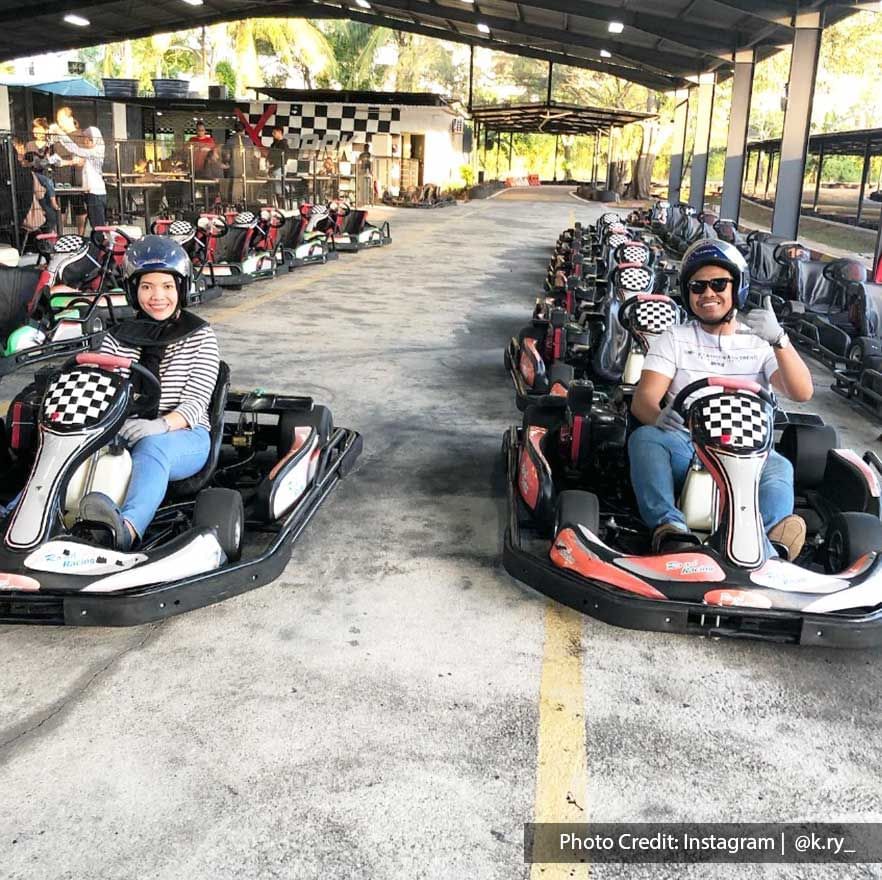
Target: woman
point(180, 349)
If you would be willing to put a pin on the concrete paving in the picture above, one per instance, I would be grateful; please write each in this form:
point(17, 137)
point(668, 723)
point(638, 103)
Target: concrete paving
point(374, 713)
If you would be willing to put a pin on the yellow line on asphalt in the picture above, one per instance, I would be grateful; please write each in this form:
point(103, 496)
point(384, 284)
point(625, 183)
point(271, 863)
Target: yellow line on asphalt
point(562, 772)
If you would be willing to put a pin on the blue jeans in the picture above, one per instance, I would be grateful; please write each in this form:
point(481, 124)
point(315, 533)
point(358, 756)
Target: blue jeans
point(156, 460)
point(660, 461)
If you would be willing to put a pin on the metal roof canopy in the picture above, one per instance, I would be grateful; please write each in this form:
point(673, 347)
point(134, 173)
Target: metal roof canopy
point(350, 96)
point(663, 42)
point(837, 143)
point(553, 118)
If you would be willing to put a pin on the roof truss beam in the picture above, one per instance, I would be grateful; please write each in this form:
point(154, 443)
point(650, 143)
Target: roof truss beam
point(665, 63)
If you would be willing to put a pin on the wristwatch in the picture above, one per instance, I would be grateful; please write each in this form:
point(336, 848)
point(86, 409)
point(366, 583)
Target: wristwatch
point(782, 342)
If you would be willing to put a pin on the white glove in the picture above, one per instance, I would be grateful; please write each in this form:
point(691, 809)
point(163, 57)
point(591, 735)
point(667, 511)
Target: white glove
point(764, 323)
point(670, 420)
point(135, 430)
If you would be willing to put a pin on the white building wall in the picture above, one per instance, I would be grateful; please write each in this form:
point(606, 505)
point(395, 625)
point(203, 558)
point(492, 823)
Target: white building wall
point(443, 149)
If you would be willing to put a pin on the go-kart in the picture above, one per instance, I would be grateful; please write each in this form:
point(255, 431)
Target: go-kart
point(352, 231)
point(547, 355)
point(302, 246)
point(197, 243)
point(225, 530)
point(233, 254)
point(574, 532)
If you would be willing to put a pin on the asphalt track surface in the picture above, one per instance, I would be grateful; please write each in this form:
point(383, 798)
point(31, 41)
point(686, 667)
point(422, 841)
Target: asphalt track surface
point(396, 706)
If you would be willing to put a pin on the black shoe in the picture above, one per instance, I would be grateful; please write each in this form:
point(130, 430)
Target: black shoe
point(97, 507)
point(670, 538)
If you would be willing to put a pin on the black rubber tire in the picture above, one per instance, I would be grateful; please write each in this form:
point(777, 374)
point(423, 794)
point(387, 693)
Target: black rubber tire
point(576, 507)
point(855, 355)
point(222, 510)
point(850, 536)
point(319, 418)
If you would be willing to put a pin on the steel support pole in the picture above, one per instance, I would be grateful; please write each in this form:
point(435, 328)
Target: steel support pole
point(797, 119)
point(556, 146)
point(678, 145)
point(759, 165)
point(510, 145)
point(471, 75)
point(769, 174)
point(612, 159)
point(548, 89)
point(13, 191)
point(877, 252)
point(864, 173)
point(818, 178)
point(594, 160)
point(733, 174)
point(698, 178)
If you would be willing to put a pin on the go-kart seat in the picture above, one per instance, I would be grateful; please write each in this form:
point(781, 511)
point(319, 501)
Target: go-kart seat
point(216, 408)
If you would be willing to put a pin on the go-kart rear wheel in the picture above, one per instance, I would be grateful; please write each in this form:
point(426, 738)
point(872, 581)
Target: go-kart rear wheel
point(850, 536)
point(223, 511)
point(575, 507)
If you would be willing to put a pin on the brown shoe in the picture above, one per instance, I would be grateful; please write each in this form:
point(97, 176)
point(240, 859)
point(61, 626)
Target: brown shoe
point(789, 534)
point(669, 538)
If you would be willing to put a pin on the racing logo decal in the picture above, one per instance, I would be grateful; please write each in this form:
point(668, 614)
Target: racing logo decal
point(690, 567)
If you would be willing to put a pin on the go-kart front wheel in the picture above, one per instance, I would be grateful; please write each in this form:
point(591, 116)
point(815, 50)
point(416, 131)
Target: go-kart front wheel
point(849, 537)
point(223, 511)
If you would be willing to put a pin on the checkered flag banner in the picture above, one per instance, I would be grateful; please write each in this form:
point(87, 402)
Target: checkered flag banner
point(654, 316)
point(79, 399)
point(309, 125)
point(735, 420)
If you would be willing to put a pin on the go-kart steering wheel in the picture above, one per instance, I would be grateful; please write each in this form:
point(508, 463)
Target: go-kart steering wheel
point(275, 218)
point(146, 400)
point(106, 231)
point(217, 225)
point(726, 384)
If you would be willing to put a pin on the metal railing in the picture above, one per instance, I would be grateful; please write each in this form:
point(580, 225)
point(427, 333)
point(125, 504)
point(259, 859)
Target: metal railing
point(145, 179)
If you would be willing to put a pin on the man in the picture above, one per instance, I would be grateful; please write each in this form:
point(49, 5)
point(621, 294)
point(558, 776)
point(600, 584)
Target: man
point(277, 156)
point(364, 181)
point(203, 143)
point(714, 282)
point(91, 150)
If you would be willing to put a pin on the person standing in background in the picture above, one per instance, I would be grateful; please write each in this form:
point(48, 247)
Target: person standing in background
point(203, 143)
point(277, 155)
point(91, 151)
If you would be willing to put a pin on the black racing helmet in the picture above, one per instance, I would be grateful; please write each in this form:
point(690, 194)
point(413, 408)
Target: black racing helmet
point(713, 252)
point(156, 253)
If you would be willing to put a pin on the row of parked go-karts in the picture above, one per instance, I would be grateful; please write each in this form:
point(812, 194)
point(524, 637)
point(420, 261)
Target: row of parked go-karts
point(831, 309)
point(229, 528)
point(574, 531)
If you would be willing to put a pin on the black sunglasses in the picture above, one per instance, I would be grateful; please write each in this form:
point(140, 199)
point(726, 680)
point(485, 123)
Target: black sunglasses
point(717, 285)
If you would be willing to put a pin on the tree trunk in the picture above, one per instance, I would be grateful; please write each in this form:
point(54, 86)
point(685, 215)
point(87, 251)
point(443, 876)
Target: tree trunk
point(641, 177)
point(617, 178)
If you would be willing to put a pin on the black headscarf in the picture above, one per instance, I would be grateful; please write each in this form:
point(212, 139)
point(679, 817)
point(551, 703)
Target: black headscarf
point(152, 337)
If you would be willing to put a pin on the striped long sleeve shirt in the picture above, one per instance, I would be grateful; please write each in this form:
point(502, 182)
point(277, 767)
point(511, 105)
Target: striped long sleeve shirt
point(187, 373)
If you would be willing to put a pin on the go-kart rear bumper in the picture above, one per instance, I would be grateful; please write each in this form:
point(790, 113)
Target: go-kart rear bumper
point(228, 275)
point(159, 601)
point(686, 618)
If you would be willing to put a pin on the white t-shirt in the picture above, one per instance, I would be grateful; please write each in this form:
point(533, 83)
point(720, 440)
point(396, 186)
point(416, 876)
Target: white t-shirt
point(685, 352)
